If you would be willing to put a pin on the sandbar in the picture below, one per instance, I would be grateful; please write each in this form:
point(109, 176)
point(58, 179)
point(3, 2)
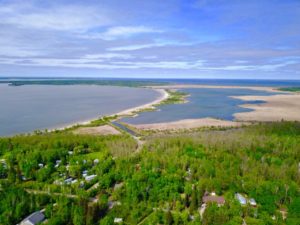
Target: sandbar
point(277, 108)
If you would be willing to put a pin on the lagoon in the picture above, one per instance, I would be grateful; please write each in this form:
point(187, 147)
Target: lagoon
point(201, 103)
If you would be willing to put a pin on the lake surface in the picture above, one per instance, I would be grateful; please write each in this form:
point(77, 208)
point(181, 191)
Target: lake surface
point(32, 107)
point(204, 102)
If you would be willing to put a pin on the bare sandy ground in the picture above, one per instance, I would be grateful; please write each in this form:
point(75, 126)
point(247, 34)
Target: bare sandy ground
point(180, 86)
point(276, 108)
point(188, 124)
point(100, 130)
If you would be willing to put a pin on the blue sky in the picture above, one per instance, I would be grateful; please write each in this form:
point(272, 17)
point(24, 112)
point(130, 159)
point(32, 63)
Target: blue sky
point(253, 39)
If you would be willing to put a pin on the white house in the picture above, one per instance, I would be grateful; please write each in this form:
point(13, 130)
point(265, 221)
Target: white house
point(118, 220)
point(90, 177)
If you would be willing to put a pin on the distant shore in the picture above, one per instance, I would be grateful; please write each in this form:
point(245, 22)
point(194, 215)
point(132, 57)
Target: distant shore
point(181, 86)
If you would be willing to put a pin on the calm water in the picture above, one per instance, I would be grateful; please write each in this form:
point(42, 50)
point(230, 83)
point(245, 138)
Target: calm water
point(202, 103)
point(31, 107)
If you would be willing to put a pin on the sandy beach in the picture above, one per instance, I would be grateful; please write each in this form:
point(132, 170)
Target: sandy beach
point(128, 112)
point(276, 108)
point(164, 96)
point(188, 124)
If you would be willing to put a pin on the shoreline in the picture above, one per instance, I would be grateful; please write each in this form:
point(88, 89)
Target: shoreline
point(127, 112)
point(240, 118)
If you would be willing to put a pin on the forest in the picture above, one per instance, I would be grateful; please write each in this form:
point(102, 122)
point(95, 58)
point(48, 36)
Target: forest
point(175, 178)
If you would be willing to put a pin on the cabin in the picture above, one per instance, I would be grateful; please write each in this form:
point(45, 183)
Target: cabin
point(219, 200)
point(118, 220)
point(210, 198)
point(252, 202)
point(90, 177)
point(57, 163)
point(242, 200)
point(33, 219)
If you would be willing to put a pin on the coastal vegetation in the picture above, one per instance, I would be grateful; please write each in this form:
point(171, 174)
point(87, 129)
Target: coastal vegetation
point(82, 179)
point(290, 89)
point(174, 97)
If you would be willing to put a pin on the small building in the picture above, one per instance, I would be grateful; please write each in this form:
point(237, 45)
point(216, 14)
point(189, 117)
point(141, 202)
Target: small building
point(96, 161)
point(90, 177)
point(242, 200)
point(33, 219)
point(57, 163)
point(252, 202)
point(74, 181)
point(118, 220)
point(41, 165)
point(84, 173)
point(219, 200)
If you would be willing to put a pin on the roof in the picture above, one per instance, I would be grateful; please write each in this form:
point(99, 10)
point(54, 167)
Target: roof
point(34, 218)
point(241, 199)
point(216, 199)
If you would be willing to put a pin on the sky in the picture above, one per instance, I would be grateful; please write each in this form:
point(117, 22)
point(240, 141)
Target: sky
point(231, 39)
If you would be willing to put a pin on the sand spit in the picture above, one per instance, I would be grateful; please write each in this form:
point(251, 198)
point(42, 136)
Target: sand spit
point(188, 124)
point(100, 130)
point(276, 108)
point(128, 112)
point(164, 96)
point(182, 86)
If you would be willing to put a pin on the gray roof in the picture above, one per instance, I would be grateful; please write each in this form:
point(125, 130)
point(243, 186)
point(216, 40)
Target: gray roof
point(34, 218)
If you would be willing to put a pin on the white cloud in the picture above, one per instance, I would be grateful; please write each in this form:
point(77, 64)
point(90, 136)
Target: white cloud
point(108, 56)
point(157, 43)
point(67, 17)
point(114, 33)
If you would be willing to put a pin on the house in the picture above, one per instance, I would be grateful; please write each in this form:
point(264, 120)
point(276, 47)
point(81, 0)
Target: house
point(118, 220)
point(90, 177)
point(41, 165)
point(33, 219)
point(252, 202)
point(84, 173)
point(74, 181)
point(219, 200)
point(57, 163)
point(210, 198)
point(96, 161)
point(68, 181)
point(242, 200)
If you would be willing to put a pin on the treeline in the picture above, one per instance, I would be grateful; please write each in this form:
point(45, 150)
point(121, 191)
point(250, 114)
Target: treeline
point(164, 183)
